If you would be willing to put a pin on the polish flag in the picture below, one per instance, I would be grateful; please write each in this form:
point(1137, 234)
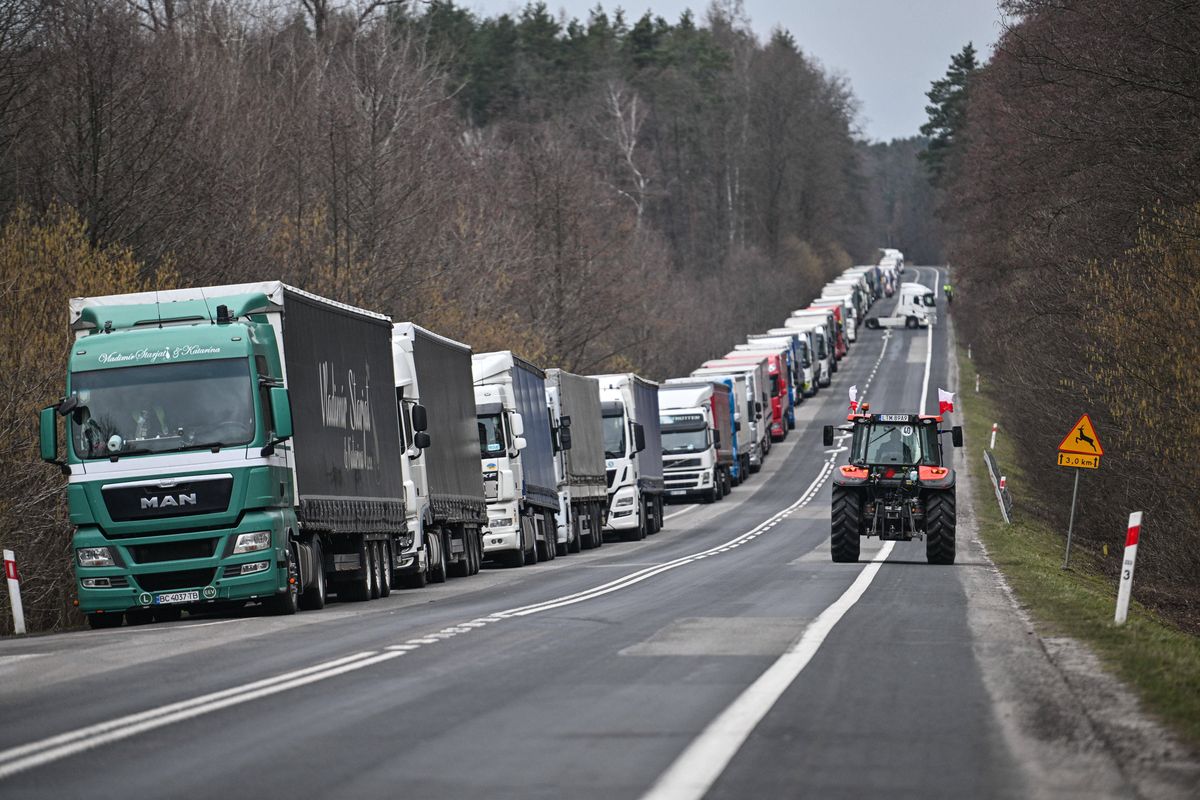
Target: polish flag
point(854, 398)
point(945, 401)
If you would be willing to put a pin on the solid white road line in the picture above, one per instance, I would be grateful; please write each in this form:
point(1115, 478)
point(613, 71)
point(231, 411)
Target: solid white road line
point(679, 512)
point(693, 773)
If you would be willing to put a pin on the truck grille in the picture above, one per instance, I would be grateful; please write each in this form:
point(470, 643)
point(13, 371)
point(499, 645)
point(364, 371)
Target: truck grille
point(170, 581)
point(681, 463)
point(151, 501)
point(172, 551)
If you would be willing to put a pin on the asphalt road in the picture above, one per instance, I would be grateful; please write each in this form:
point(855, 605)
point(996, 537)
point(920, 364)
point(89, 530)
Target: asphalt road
point(651, 667)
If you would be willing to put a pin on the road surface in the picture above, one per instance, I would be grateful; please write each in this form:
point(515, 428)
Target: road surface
point(725, 657)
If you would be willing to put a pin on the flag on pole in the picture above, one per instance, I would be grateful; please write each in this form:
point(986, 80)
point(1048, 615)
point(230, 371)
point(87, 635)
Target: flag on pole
point(945, 401)
point(854, 398)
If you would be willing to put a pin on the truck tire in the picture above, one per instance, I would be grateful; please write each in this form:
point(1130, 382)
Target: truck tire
point(575, 541)
point(313, 598)
point(597, 526)
point(476, 550)
point(385, 569)
point(873, 323)
point(437, 570)
point(107, 620)
point(373, 569)
point(845, 524)
point(911, 323)
point(939, 527)
point(288, 603)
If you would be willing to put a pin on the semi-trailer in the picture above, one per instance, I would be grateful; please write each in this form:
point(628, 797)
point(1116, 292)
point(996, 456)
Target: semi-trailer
point(697, 438)
point(747, 455)
point(574, 402)
point(445, 502)
point(517, 452)
point(834, 343)
point(225, 445)
point(822, 353)
point(803, 377)
point(781, 403)
point(758, 387)
point(633, 454)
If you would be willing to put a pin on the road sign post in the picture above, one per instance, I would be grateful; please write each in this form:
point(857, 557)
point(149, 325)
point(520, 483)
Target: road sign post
point(1079, 449)
point(1132, 533)
point(14, 591)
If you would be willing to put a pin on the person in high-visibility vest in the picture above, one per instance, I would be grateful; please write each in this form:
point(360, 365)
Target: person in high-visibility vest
point(949, 290)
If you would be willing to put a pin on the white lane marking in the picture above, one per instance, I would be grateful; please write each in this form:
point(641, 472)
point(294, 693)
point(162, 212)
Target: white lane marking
point(681, 511)
point(698, 767)
point(19, 758)
point(928, 359)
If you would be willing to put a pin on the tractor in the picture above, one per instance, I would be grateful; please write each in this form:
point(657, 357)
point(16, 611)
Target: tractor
point(897, 485)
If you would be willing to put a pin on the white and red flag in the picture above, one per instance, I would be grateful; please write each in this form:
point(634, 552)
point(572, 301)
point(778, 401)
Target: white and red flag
point(854, 398)
point(945, 401)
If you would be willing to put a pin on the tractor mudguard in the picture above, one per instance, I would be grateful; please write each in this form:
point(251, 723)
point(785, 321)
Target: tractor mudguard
point(936, 477)
point(850, 475)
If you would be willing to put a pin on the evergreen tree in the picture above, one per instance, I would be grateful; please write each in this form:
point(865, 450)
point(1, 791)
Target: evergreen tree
point(948, 114)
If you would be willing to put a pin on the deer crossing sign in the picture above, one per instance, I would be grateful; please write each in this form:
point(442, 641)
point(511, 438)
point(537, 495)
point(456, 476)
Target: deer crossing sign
point(1081, 447)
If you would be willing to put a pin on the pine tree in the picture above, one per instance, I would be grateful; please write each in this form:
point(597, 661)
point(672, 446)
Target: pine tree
point(948, 114)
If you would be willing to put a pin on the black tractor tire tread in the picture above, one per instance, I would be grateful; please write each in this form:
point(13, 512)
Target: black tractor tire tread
point(940, 519)
point(845, 525)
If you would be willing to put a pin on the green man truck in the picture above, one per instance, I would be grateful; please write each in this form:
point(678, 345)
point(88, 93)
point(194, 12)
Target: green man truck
point(227, 445)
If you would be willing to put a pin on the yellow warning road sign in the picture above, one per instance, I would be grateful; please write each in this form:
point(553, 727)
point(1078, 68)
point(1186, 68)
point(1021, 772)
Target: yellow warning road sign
point(1078, 462)
point(1082, 439)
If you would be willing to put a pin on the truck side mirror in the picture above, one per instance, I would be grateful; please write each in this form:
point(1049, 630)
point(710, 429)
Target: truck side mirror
point(518, 424)
point(639, 437)
point(420, 419)
point(564, 437)
point(48, 435)
point(421, 440)
point(716, 437)
point(519, 443)
point(827, 435)
point(281, 412)
point(564, 422)
point(956, 435)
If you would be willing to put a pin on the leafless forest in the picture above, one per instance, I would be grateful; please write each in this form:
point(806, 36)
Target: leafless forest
point(1075, 229)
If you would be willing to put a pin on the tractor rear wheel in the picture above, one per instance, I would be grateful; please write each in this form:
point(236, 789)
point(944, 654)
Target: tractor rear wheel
point(939, 527)
point(846, 522)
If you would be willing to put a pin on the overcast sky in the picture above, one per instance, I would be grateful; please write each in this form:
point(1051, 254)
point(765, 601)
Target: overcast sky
point(890, 50)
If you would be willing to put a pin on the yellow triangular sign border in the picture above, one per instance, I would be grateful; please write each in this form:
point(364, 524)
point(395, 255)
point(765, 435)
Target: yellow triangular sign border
point(1069, 446)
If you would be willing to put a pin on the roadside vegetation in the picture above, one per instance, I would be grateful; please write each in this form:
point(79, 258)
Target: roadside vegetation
point(1070, 181)
point(1150, 653)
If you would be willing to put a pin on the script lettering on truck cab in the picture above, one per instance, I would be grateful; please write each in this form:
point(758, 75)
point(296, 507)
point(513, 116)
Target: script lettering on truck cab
point(154, 356)
point(347, 407)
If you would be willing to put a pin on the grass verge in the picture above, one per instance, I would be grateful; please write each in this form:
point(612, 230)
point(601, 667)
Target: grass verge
point(1160, 662)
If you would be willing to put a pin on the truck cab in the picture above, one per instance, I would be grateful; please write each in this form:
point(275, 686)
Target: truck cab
point(633, 454)
point(697, 439)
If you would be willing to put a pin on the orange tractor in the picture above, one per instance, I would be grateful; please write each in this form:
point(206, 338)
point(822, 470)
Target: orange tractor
point(896, 487)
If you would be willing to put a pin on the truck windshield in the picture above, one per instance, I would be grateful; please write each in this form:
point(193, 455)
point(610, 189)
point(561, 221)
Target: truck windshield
point(677, 441)
point(822, 353)
point(614, 436)
point(160, 408)
point(491, 435)
point(805, 361)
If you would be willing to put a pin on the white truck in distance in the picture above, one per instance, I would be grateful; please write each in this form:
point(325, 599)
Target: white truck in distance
point(633, 453)
point(916, 308)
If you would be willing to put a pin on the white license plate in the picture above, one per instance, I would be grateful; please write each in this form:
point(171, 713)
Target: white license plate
point(893, 417)
point(176, 597)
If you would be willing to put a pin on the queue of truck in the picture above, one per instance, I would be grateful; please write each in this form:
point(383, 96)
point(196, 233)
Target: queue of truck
point(255, 443)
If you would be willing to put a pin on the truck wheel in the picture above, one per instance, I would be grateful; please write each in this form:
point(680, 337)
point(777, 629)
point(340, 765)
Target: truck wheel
point(911, 322)
point(873, 323)
point(476, 551)
point(709, 495)
point(845, 524)
point(288, 603)
point(438, 572)
point(575, 541)
point(107, 620)
point(313, 598)
point(373, 569)
point(385, 569)
point(939, 527)
point(462, 567)
point(597, 526)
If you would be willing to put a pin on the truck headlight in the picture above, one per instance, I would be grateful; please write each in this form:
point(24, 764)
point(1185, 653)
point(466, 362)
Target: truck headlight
point(626, 500)
point(706, 477)
point(95, 557)
point(500, 522)
point(252, 542)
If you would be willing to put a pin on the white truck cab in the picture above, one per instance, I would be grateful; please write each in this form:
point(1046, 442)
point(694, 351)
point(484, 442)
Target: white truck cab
point(915, 308)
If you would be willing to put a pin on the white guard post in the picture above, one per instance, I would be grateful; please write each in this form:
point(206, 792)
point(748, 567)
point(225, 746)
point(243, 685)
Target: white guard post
point(14, 591)
point(1131, 543)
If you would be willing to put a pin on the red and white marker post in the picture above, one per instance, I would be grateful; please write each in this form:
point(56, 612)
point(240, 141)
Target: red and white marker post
point(992, 446)
point(14, 591)
point(1131, 543)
